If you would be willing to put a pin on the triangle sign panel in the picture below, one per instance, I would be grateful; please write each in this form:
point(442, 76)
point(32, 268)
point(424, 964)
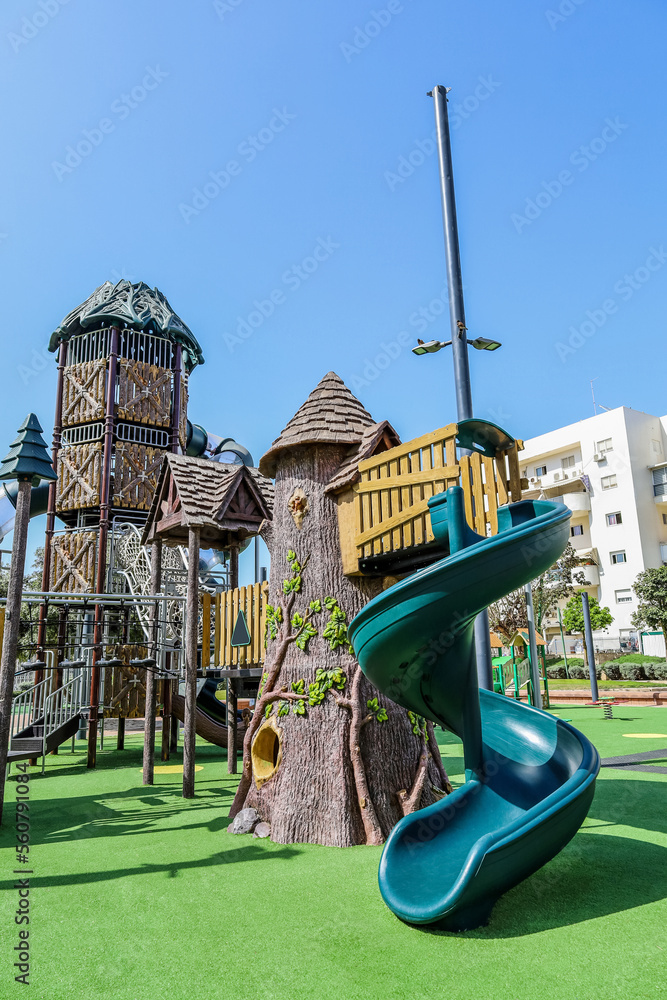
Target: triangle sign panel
point(241, 635)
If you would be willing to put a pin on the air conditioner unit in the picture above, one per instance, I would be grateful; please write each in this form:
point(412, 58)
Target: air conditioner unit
point(534, 479)
point(557, 477)
point(598, 457)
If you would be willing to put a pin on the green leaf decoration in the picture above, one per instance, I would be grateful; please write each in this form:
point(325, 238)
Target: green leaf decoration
point(291, 555)
point(298, 686)
point(382, 715)
point(268, 710)
point(372, 703)
point(274, 618)
point(299, 707)
point(297, 620)
point(315, 606)
point(283, 708)
point(307, 632)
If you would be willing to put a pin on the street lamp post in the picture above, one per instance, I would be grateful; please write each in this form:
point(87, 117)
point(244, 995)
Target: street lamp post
point(459, 341)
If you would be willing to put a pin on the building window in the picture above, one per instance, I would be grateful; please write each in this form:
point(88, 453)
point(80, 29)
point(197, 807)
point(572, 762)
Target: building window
point(567, 462)
point(608, 482)
point(540, 470)
point(617, 557)
point(664, 518)
point(660, 482)
point(604, 446)
point(623, 596)
point(577, 529)
point(614, 518)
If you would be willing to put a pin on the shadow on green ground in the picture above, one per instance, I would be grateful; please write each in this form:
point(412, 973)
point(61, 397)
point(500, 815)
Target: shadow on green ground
point(597, 874)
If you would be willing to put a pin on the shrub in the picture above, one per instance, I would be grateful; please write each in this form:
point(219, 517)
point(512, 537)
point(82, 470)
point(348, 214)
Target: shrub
point(632, 672)
point(578, 672)
point(637, 658)
point(657, 671)
point(613, 670)
point(556, 673)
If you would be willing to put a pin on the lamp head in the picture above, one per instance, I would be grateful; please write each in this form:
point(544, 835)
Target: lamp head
point(430, 347)
point(484, 344)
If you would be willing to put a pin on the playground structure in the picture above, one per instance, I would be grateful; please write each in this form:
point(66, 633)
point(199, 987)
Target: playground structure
point(513, 672)
point(354, 511)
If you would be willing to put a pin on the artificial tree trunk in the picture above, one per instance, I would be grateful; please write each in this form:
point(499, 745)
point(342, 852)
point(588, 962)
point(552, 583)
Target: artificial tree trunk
point(12, 626)
point(327, 759)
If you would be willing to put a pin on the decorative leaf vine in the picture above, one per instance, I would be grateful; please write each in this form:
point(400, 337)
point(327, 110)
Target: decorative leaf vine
point(274, 619)
point(324, 681)
point(376, 710)
point(335, 630)
point(418, 723)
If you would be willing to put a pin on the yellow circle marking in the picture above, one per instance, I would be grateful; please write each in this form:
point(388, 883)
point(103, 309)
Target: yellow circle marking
point(646, 736)
point(174, 768)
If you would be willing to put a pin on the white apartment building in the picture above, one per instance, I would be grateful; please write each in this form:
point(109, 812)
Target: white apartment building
point(611, 471)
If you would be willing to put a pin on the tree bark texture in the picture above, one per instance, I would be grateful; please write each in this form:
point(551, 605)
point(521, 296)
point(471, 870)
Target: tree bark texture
point(12, 625)
point(341, 769)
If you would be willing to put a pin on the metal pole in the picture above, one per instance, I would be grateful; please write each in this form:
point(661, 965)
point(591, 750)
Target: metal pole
point(534, 663)
point(590, 649)
point(256, 558)
point(457, 321)
point(562, 639)
point(101, 569)
point(457, 317)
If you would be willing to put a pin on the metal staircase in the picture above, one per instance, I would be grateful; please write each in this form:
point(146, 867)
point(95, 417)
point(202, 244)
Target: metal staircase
point(43, 718)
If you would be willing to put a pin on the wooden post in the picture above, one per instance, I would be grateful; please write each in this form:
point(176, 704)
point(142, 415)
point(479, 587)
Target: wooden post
point(166, 719)
point(191, 635)
point(100, 585)
point(120, 739)
point(12, 625)
point(173, 738)
point(176, 398)
point(233, 568)
point(231, 725)
point(51, 512)
point(151, 672)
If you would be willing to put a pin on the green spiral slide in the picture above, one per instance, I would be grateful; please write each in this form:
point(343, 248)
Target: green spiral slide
point(530, 777)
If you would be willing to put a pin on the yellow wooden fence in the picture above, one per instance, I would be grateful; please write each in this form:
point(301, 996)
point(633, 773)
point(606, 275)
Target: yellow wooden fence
point(387, 510)
point(219, 614)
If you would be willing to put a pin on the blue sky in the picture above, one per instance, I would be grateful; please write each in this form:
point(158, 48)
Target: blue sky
point(210, 148)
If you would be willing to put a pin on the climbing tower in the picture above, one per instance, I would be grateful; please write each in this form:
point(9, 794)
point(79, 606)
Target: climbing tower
point(124, 359)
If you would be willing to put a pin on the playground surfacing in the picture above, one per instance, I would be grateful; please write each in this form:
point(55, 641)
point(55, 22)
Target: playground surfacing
point(192, 912)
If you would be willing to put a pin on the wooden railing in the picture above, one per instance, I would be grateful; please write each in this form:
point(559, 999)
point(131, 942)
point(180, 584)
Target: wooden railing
point(219, 615)
point(387, 510)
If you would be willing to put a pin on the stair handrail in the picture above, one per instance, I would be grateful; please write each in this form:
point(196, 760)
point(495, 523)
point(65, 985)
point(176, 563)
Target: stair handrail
point(28, 706)
point(62, 705)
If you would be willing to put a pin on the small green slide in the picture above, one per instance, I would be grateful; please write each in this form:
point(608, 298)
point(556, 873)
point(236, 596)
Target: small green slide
point(530, 777)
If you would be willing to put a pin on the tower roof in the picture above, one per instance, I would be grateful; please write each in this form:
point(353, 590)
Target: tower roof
point(330, 415)
point(28, 457)
point(129, 305)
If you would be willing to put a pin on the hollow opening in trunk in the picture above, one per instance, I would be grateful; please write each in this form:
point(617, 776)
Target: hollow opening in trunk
point(266, 752)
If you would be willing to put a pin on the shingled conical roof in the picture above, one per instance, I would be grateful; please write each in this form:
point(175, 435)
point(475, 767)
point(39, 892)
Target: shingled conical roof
point(330, 415)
